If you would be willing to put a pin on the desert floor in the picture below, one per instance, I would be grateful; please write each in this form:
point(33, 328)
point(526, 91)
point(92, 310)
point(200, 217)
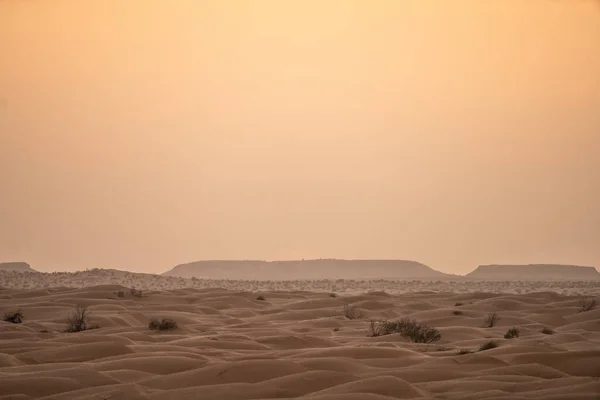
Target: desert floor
point(231, 345)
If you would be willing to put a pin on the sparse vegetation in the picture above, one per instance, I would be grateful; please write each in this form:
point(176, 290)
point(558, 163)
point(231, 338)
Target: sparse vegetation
point(458, 304)
point(135, 292)
point(332, 295)
point(15, 317)
point(512, 333)
point(351, 312)
point(465, 351)
point(261, 298)
point(163, 324)
point(547, 331)
point(491, 320)
point(457, 312)
point(489, 345)
point(587, 304)
point(120, 293)
point(408, 328)
point(336, 329)
point(78, 319)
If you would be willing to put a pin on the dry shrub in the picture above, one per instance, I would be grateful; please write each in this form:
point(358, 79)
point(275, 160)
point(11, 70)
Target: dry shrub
point(491, 320)
point(78, 319)
point(351, 312)
point(587, 304)
point(408, 328)
point(15, 317)
point(512, 333)
point(164, 324)
point(489, 345)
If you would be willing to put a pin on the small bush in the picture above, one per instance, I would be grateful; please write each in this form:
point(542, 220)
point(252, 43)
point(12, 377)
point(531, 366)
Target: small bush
point(465, 351)
point(336, 329)
point(457, 312)
point(261, 298)
point(164, 324)
point(15, 317)
point(587, 304)
point(511, 333)
point(491, 320)
point(547, 331)
point(135, 292)
point(351, 312)
point(332, 295)
point(409, 329)
point(120, 293)
point(458, 304)
point(489, 345)
point(78, 319)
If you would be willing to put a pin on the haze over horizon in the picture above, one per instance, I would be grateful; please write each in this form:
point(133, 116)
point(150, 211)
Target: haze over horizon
point(141, 135)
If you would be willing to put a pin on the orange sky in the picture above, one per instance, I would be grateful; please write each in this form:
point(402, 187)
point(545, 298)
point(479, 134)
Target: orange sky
point(139, 134)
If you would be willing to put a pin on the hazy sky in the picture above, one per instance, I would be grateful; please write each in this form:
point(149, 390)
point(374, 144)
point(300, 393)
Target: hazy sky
point(140, 134)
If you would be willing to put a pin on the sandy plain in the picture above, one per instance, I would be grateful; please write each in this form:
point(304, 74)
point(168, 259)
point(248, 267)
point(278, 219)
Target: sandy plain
point(267, 340)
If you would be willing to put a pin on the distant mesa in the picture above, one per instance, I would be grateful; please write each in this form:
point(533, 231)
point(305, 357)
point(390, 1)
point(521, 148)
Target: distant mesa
point(307, 269)
point(537, 272)
point(16, 266)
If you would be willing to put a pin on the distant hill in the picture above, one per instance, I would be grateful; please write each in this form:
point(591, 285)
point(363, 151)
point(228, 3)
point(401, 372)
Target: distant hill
point(309, 269)
point(16, 266)
point(538, 272)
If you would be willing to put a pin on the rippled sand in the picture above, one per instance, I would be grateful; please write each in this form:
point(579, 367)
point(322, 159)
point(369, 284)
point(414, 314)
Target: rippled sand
point(229, 345)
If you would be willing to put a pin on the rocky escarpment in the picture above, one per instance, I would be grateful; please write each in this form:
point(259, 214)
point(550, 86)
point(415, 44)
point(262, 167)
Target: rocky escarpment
point(16, 266)
point(307, 269)
point(537, 272)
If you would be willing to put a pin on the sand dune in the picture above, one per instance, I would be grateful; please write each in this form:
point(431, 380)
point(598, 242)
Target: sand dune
point(296, 344)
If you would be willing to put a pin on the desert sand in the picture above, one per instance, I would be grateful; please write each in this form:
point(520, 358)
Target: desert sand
point(266, 340)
